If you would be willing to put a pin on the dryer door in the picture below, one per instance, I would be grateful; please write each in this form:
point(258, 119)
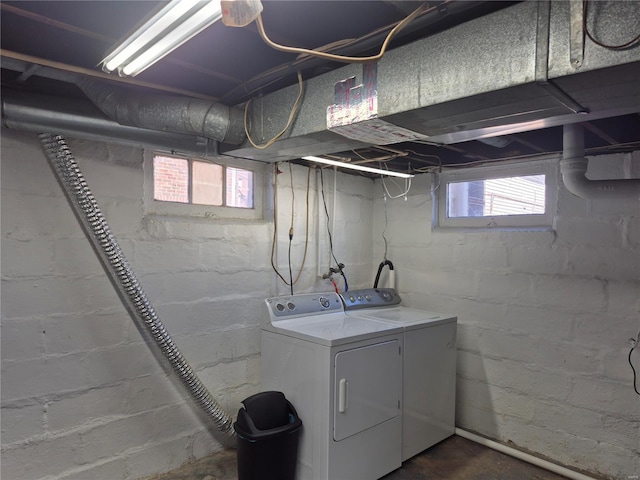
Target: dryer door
point(367, 387)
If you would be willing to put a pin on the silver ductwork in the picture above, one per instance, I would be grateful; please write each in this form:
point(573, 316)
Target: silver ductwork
point(573, 167)
point(81, 119)
point(124, 280)
point(525, 67)
point(166, 113)
point(506, 72)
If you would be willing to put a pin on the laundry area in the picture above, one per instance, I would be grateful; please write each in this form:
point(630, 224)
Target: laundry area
point(313, 240)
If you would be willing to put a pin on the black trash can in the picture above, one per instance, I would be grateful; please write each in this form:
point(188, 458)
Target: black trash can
point(268, 431)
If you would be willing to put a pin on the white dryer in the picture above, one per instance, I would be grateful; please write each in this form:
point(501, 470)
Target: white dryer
point(343, 374)
point(429, 368)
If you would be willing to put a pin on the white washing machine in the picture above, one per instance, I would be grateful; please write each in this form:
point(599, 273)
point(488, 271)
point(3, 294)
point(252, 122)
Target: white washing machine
point(429, 368)
point(343, 375)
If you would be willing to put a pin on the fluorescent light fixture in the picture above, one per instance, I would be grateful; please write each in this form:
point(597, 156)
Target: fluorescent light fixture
point(361, 168)
point(173, 25)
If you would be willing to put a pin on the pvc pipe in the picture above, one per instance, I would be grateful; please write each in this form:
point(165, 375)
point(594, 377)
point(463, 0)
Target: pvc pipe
point(573, 167)
point(538, 462)
point(392, 279)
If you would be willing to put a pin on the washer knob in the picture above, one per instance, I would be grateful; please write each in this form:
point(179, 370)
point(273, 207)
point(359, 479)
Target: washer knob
point(386, 296)
point(280, 307)
point(291, 306)
point(352, 299)
point(325, 302)
point(367, 297)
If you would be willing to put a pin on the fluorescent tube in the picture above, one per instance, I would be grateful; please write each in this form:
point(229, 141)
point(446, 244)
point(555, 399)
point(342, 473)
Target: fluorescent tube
point(176, 23)
point(357, 167)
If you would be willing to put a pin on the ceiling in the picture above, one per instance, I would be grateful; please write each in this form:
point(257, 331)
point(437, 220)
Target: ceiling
point(232, 65)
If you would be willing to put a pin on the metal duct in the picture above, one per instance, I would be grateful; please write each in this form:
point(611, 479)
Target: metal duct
point(81, 119)
point(121, 275)
point(506, 72)
point(573, 167)
point(166, 113)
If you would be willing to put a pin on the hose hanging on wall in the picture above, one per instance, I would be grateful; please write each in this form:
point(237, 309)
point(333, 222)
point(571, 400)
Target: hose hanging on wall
point(118, 269)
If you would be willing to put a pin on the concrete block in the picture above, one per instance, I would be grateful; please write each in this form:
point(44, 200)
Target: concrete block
point(158, 457)
point(631, 232)
point(82, 332)
point(25, 217)
point(123, 216)
point(66, 412)
point(21, 339)
point(623, 298)
point(590, 232)
point(117, 364)
point(463, 284)
point(21, 422)
point(74, 256)
point(43, 295)
point(504, 288)
point(603, 330)
point(26, 257)
point(606, 263)
point(603, 395)
point(151, 392)
point(43, 376)
point(540, 321)
point(25, 167)
point(480, 257)
point(113, 437)
point(43, 458)
point(539, 259)
point(105, 470)
point(568, 293)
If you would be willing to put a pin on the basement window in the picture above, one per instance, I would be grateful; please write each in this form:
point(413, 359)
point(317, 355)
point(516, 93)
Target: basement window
point(196, 187)
point(506, 196)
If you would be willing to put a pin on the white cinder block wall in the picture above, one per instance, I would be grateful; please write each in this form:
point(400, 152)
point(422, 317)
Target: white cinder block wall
point(82, 396)
point(544, 319)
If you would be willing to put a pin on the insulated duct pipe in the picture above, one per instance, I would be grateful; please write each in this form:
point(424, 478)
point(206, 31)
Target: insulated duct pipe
point(120, 273)
point(81, 119)
point(167, 113)
point(573, 167)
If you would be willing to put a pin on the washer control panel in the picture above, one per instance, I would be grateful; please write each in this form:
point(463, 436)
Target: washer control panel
point(304, 304)
point(370, 297)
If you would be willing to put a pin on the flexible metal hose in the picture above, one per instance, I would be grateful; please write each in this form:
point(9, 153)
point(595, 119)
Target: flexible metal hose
point(122, 276)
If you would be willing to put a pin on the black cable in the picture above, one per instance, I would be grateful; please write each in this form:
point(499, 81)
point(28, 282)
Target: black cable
point(634, 370)
point(380, 267)
point(597, 42)
point(289, 256)
point(326, 212)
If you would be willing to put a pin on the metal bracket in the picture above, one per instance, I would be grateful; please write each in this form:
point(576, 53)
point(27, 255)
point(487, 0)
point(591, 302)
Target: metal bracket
point(542, 56)
point(576, 40)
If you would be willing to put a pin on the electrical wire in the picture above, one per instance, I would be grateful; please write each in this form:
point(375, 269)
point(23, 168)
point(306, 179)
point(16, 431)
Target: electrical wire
point(407, 184)
point(339, 266)
point(292, 115)
point(385, 228)
point(290, 282)
point(340, 58)
point(634, 343)
point(634, 371)
point(293, 203)
point(585, 27)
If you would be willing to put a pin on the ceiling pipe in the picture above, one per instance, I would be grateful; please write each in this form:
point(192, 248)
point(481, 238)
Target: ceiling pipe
point(81, 119)
point(167, 113)
point(573, 167)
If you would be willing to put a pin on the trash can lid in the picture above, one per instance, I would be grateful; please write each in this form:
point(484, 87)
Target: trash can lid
point(267, 410)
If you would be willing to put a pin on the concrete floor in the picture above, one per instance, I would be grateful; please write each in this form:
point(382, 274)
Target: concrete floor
point(453, 459)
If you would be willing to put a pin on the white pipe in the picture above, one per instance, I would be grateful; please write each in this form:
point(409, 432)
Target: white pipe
point(573, 167)
point(392, 279)
point(538, 462)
